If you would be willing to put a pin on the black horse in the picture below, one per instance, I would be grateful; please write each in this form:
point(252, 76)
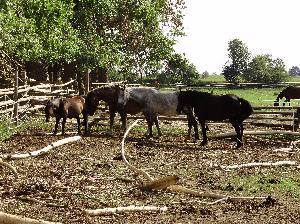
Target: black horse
point(216, 108)
point(290, 92)
point(63, 108)
point(109, 94)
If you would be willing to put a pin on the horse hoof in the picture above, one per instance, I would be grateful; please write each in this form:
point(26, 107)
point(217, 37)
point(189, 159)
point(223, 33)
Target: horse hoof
point(203, 143)
point(109, 134)
point(149, 136)
point(239, 146)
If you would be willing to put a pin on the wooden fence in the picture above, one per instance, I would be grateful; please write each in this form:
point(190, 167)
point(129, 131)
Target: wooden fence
point(15, 103)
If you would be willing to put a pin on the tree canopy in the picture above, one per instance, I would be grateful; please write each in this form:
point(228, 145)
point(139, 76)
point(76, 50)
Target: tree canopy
point(265, 69)
point(124, 34)
point(261, 68)
point(294, 71)
point(239, 56)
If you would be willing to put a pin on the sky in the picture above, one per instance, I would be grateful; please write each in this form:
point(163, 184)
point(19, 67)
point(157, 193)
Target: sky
point(264, 26)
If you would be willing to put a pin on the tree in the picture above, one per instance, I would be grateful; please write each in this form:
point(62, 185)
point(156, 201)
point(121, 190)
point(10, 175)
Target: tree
point(130, 35)
point(264, 69)
point(294, 71)
point(179, 70)
point(40, 31)
point(239, 57)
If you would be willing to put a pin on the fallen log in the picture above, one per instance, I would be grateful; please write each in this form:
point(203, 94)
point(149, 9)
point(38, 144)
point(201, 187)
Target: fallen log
point(43, 150)
point(266, 164)
point(167, 183)
point(118, 210)
point(9, 167)
point(273, 132)
point(160, 184)
point(6, 218)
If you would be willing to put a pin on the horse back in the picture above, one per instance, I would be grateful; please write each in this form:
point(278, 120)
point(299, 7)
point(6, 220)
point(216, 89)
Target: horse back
point(73, 107)
point(218, 107)
point(292, 92)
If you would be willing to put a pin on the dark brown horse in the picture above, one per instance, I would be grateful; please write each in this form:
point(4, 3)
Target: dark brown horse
point(216, 108)
point(109, 94)
point(63, 108)
point(290, 92)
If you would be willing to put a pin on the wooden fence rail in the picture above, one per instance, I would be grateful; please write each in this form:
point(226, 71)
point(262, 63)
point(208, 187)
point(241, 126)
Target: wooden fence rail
point(22, 100)
point(32, 98)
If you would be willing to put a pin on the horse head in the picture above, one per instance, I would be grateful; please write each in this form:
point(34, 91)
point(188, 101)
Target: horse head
point(48, 110)
point(180, 106)
point(92, 102)
point(122, 97)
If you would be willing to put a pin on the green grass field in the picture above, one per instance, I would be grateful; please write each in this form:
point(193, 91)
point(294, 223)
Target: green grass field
point(257, 96)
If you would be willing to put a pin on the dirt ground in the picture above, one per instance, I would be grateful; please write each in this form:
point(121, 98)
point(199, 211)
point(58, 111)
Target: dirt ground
point(89, 174)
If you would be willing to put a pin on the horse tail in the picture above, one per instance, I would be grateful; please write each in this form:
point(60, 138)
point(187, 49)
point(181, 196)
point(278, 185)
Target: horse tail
point(246, 108)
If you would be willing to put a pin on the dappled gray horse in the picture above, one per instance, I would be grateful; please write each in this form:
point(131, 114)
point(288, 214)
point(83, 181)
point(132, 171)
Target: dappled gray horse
point(153, 103)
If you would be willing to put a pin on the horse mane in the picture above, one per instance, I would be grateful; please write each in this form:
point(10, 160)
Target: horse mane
point(110, 86)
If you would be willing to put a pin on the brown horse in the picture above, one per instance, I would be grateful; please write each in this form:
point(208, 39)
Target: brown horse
point(109, 94)
point(63, 108)
point(290, 92)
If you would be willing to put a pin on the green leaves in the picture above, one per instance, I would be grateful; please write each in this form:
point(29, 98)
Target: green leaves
point(37, 30)
point(129, 35)
point(264, 69)
point(239, 57)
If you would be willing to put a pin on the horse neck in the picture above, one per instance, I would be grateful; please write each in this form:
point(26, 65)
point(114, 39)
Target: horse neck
point(105, 94)
point(192, 98)
point(281, 95)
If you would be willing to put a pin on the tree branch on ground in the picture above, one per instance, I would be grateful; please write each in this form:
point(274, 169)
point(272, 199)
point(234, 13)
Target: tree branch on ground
point(266, 164)
point(167, 182)
point(6, 218)
point(9, 167)
point(118, 210)
point(43, 150)
point(48, 204)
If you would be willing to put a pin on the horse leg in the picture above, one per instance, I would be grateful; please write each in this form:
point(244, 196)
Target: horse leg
point(57, 120)
point(286, 101)
point(78, 125)
point(124, 120)
point(204, 136)
point(149, 120)
point(112, 115)
point(86, 124)
point(157, 126)
point(63, 125)
point(192, 123)
point(238, 127)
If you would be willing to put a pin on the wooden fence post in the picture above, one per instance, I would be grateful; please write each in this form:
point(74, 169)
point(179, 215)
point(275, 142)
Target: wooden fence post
point(16, 94)
point(296, 119)
point(87, 87)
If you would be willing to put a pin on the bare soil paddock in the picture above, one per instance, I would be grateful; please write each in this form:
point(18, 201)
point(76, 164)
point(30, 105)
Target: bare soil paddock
point(88, 174)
